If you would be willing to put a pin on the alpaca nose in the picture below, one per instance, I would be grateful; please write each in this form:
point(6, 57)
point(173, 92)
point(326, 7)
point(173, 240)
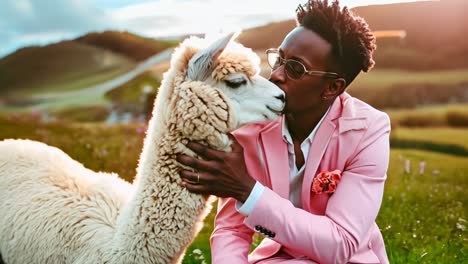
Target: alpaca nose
point(281, 97)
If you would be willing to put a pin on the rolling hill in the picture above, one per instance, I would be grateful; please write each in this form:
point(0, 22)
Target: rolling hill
point(74, 64)
point(130, 45)
point(428, 25)
point(267, 36)
point(435, 39)
point(54, 66)
point(435, 34)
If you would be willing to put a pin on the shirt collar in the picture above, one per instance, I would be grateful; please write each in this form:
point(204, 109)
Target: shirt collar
point(287, 136)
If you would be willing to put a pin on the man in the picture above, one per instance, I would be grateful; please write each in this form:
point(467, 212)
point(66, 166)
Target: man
point(312, 181)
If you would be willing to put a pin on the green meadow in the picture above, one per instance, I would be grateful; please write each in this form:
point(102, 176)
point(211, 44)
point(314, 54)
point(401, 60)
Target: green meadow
point(423, 216)
point(381, 78)
point(436, 135)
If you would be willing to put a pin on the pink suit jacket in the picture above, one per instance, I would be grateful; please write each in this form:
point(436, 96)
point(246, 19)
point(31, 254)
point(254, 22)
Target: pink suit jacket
point(331, 228)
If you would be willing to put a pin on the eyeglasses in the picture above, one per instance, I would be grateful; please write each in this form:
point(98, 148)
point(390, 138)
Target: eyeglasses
point(293, 68)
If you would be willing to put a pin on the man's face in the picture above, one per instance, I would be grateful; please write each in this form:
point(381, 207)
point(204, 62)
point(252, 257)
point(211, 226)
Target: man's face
point(307, 47)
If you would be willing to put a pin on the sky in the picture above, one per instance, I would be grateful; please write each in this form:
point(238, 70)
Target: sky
point(41, 22)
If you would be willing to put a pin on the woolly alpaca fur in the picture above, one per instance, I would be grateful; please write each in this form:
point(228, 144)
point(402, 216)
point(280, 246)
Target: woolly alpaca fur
point(54, 210)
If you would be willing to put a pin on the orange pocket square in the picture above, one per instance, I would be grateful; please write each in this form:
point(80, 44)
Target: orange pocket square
point(326, 181)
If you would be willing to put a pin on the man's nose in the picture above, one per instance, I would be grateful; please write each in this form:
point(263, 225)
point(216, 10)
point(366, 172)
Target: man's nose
point(278, 75)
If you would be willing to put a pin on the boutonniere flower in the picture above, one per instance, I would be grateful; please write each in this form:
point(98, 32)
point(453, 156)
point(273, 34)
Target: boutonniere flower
point(326, 181)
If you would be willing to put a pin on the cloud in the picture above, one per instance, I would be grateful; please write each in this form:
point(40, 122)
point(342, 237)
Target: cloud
point(37, 22)
point(169, 17)
point(24, 22)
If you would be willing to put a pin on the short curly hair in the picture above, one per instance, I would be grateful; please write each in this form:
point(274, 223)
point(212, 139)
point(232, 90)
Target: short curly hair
point(353, 43)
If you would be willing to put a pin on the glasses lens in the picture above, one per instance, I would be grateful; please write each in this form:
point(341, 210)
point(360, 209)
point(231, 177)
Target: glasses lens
point(273, 60)
point(294, 69)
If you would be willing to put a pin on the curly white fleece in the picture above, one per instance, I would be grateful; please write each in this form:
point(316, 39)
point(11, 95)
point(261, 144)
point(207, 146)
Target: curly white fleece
point(53, 210)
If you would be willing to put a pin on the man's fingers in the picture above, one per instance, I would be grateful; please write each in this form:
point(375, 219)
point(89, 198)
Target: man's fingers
point(197, 164)
point(236, 147)
point(204, 151)
point(190, 176)
point(194, 188)
point(194, 182)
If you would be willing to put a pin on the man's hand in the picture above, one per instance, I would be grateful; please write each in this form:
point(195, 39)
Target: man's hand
point(222, 174)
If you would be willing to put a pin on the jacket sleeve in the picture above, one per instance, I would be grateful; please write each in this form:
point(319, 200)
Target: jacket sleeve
point(231, 238)
point(351, 210)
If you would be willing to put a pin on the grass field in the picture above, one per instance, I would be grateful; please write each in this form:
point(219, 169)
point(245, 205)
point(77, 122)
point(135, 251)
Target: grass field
point(437, 135)
point(434, 114)
point(80, 80)
point(59, 85)
point(423, 216)
point(381, 78)
point(398, 89)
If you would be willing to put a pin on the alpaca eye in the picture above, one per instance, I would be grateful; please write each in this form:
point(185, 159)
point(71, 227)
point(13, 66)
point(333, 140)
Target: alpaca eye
point(235, 83)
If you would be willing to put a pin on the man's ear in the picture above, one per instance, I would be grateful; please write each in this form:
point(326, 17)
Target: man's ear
point(335, 88)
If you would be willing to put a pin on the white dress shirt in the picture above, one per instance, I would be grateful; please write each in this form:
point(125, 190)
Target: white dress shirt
point(296, 175)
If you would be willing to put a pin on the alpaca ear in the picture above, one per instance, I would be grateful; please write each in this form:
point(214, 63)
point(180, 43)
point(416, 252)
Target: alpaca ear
point(201, 64)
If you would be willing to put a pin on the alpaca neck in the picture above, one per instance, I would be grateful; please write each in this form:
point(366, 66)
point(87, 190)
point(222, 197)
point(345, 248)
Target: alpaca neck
point(158, 222)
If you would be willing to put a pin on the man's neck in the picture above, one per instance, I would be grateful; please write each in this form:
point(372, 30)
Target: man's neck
point(300, 125)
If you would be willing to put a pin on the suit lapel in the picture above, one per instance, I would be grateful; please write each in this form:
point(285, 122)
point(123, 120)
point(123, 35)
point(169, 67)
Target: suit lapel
point(275, 155)
point(317, 149)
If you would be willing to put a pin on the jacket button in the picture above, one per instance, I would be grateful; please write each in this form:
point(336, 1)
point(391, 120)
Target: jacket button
point(273, 235)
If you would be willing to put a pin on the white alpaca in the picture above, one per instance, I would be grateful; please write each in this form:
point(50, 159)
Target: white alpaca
point(53, 210)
